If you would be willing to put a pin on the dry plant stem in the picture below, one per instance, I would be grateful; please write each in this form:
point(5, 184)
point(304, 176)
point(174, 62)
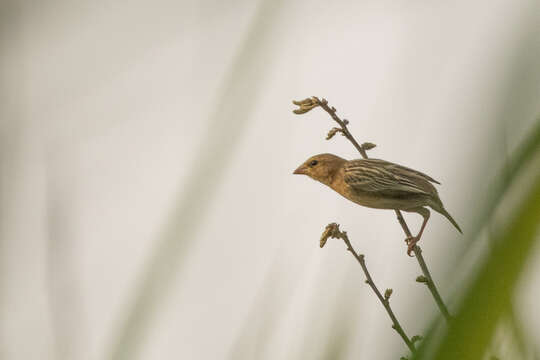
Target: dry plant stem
point(384, 301)
point(429, 280)
point(417, 250)
point(343, 124)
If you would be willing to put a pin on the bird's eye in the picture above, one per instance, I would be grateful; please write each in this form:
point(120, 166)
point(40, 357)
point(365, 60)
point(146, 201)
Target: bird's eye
point(313, 163)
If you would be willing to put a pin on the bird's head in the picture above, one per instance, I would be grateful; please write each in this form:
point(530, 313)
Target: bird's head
point(321, 167)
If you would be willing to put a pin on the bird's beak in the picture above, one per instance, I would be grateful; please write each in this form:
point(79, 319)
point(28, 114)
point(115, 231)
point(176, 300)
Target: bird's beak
point(301, 170)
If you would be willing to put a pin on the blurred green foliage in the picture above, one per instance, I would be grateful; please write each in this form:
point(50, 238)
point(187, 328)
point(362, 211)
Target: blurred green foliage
point(490, 296)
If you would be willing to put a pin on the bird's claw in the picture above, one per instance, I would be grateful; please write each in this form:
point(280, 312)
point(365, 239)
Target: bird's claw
point(411, 243)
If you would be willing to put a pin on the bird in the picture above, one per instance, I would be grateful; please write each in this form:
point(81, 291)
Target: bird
point(378, 184)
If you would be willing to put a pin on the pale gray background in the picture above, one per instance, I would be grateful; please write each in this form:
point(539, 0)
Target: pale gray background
point(157, 138)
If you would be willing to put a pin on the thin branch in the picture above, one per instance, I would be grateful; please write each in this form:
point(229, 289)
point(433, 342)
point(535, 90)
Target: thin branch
point(310, 103)
point(332, 231)
point(427, 275)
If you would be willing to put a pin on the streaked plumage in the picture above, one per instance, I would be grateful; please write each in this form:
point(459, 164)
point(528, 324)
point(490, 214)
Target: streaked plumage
point(378, 184)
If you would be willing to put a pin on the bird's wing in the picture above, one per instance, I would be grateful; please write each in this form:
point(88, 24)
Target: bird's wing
point(399, 169)
point(373, 175)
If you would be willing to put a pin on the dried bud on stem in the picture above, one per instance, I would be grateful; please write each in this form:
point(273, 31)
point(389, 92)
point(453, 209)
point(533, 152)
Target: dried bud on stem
point(333, 132)
point(368, 146)
point(305, 105)
point(331, 231)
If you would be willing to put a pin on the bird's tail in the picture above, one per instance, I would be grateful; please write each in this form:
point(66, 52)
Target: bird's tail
point(451, 219)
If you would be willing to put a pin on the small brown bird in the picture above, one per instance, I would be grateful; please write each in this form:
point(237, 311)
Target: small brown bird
point(378, 184)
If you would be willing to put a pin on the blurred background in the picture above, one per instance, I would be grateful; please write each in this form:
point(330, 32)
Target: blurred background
point(147, 204)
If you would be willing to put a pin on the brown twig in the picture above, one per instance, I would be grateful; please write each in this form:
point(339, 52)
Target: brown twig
point(310, 103)
point(332, 231)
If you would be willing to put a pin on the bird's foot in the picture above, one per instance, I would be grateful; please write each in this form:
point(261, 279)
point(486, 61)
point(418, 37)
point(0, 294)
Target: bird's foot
point(411, 243)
